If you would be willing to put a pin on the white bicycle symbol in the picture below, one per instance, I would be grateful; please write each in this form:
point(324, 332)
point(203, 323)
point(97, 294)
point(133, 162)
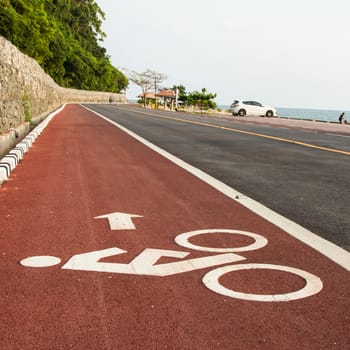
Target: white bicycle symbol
point(146, 264)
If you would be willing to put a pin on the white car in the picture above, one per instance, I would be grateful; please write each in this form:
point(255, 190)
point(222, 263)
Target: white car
point(243, 108)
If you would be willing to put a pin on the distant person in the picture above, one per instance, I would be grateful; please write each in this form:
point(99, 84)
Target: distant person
point(341, 118)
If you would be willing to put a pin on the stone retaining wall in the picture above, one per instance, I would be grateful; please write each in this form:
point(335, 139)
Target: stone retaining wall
point(27, 94)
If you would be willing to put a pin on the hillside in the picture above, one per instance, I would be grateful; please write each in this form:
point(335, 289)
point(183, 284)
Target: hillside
point(63, 36)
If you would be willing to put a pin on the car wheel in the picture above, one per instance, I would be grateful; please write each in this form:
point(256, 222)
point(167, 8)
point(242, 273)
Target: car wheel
point(269, 114)
point(242, 112)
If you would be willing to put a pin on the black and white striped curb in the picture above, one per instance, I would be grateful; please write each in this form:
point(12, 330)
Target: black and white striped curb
point(10, 161)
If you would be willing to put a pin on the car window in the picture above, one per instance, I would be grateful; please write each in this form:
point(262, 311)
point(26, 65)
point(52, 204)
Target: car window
point(247, 102)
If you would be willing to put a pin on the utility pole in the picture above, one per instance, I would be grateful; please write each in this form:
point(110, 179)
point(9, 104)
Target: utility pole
point(155, 90)
point(157, 79)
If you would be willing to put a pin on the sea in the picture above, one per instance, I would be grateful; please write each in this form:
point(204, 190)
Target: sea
point(306, 113)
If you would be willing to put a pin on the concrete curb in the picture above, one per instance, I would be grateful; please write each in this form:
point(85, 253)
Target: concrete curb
point(11, 160)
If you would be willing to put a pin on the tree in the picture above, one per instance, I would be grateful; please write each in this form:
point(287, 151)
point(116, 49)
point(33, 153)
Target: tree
point(202, 99)
point(63, 36)
point(143, 80)
point(156, 78)
point(27, 25)
point(146, 80)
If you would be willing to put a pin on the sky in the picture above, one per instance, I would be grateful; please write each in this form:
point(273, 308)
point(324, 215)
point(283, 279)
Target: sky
point(283, 53)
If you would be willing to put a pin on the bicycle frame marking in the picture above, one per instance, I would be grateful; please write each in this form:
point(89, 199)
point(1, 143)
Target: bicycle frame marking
point(146, 264)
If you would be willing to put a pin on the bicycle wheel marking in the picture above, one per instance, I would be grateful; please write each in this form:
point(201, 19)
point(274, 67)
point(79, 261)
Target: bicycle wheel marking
point(312, 286)
point(182, 240)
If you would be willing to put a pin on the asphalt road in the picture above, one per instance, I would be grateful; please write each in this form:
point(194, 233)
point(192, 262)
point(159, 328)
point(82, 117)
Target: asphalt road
point(310, 186)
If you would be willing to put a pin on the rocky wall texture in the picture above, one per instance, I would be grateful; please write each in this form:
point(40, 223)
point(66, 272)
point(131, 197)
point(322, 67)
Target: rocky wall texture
point(27, 92)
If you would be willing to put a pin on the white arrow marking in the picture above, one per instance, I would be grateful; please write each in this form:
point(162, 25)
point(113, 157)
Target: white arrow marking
point(145, 262)
point(120, 221)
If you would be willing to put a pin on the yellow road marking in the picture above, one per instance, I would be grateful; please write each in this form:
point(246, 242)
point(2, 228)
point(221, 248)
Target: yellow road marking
point(243, 132)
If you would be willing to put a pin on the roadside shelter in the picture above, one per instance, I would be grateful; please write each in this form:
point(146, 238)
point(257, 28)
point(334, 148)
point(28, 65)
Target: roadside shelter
point(147, 97)
point(168, 97)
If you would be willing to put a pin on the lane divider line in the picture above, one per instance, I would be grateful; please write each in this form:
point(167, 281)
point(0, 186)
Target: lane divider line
point(9, 162)
point(281, 139)
point(326, 248)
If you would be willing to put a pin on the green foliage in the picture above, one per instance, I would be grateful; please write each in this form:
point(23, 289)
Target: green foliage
point(27, 115)
point(201, 99)
point(63, 36)
point(25, 23)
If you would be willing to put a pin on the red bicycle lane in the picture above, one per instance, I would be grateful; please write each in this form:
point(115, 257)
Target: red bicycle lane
point(146, 284)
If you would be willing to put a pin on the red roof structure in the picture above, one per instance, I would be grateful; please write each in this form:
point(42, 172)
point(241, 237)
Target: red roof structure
point(166, 93)
point(147, 95)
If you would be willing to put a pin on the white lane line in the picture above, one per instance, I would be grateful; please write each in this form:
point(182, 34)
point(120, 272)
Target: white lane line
point(326, 248)
point(328, 133)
